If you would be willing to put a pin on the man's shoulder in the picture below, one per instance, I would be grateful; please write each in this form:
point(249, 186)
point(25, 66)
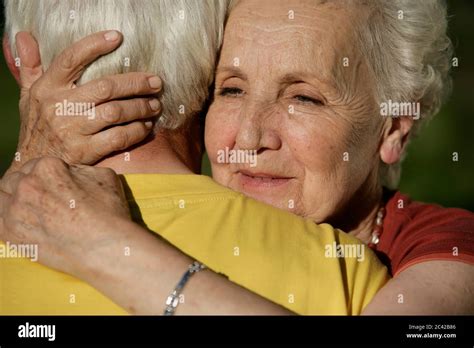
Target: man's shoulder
point(150, 186)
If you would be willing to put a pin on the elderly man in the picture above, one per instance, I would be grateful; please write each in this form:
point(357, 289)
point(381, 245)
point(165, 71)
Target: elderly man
point(169, 43)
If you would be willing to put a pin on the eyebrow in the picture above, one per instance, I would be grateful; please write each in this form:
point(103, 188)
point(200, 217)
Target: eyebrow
point(301, 76)
point(232, 70)
point(287, 78)
point(293, 77)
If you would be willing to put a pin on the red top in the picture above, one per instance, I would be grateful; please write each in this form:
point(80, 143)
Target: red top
point(414, 232)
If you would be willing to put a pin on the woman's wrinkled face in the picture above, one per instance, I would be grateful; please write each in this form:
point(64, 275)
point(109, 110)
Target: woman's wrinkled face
point(292, 86)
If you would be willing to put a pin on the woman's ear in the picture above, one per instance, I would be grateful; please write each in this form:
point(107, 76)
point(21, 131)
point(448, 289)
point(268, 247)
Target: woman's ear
point(395, 138)
point(7, 52)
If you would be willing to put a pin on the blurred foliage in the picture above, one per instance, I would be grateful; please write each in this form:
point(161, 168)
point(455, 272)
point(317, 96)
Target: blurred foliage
point(429, 173)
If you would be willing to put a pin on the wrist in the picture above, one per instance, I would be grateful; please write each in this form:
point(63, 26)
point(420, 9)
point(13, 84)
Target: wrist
point(104, 257)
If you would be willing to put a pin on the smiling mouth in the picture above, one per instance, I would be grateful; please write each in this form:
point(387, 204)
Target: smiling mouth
point(262, 179)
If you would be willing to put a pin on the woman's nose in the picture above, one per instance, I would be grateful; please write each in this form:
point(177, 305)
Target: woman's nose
point(258, 132)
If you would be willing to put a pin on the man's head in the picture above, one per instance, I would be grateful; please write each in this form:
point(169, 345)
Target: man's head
point(175, 39)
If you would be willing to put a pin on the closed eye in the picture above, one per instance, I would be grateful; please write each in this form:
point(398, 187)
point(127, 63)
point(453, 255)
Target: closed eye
point(306, 99)
point(230, 91)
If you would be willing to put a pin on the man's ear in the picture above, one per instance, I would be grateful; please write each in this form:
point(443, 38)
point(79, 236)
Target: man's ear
point(7, 52)
point(395, 138)
point(29, 59)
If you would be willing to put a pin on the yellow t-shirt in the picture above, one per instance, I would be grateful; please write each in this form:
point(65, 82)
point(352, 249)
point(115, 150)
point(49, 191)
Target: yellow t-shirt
point(278, 255)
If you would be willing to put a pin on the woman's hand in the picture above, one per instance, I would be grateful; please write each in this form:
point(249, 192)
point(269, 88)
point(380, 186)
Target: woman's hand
point(50, 103)
point(71, 212)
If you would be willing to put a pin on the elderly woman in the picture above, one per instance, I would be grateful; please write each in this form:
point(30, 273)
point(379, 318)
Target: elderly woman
point(307, 84)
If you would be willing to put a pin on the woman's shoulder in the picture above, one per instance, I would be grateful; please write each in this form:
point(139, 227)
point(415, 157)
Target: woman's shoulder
point(403, 211)
point(414, 232)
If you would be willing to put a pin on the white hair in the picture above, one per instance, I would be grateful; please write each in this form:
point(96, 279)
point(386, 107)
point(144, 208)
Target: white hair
point(409, 54)
point(176, 39)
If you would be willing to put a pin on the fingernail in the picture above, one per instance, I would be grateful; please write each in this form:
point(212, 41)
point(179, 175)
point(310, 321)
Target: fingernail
point(148, 124)
point(111, 35)
point(154, 104)
point(154, 82)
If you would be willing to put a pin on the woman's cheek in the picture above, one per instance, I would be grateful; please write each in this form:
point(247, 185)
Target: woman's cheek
point(314, 145)
point(220, 130)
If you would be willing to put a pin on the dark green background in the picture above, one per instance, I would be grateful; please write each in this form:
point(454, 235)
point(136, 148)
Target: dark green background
point(429, 174)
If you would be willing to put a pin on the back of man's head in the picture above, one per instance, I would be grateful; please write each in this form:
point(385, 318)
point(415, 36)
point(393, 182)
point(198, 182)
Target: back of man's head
point(175, 39)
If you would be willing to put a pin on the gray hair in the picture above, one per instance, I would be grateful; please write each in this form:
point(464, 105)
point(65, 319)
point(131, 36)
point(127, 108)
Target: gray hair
point(175, 39)
point(409, 54)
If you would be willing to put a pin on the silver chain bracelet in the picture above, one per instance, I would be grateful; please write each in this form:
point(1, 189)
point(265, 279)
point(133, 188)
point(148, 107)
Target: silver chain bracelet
point(173, 299)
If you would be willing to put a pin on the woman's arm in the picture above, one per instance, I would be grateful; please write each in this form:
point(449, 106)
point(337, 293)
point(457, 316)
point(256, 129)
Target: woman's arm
point(141, 282)
point(88, 241)
point(428, 288)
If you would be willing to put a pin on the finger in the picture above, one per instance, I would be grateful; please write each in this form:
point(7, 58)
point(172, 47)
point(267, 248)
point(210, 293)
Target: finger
point(118, 138)
point(69, 65)
point(9, 183)
point(121, 111)
point(30, 59)
point(118, 86)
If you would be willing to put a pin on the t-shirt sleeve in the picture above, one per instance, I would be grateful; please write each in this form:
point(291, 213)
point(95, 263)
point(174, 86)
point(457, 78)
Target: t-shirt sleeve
point(284, 258)
point(427, 232)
